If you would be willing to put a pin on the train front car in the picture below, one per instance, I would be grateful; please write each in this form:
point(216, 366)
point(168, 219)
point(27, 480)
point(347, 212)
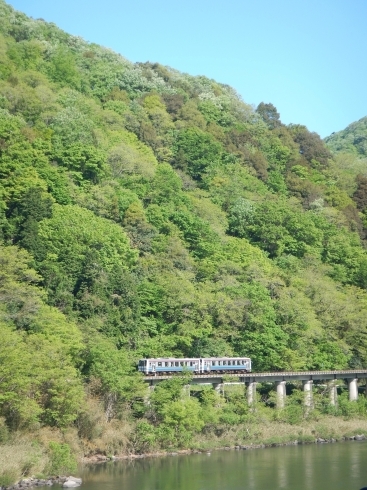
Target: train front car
point(226, 365)
point(143, 366)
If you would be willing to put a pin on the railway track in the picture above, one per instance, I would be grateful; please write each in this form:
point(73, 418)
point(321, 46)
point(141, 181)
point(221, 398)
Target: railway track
point(276, 375)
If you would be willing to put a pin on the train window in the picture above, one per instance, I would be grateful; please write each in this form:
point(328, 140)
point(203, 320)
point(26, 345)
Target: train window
point(219, 363)
point(213, 363)
point(238, 363)
point(159, 364)
point(176, 364)
point(224, 363)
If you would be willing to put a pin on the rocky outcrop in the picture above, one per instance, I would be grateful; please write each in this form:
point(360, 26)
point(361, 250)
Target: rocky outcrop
point(66, 481)
point(72, 482)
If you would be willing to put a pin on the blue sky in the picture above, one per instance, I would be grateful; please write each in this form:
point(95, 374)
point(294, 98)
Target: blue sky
point(308, 58)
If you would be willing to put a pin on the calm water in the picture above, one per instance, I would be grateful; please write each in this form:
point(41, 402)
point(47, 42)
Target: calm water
point(313, 467)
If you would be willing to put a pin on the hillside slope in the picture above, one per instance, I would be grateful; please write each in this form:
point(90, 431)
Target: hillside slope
point(147, 212)
point(352, 139)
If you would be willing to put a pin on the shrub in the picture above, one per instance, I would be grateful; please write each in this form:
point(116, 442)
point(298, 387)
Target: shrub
point(61, 459)
point(7, 478)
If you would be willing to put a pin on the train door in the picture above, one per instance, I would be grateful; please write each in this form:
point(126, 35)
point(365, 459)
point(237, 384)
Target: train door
point(196, 366)
point(200, 370)
point(152, 367)
point(206, 366)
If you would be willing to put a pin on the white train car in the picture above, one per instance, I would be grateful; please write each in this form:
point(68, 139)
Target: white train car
point(199, 365)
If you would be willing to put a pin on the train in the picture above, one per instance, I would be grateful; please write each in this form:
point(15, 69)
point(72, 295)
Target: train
point(198, 365)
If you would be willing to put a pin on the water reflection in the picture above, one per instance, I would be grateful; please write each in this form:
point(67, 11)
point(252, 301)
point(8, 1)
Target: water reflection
point(317, 467)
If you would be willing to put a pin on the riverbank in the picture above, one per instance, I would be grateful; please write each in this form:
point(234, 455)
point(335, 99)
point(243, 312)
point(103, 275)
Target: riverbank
point(100, 458)
point(28, 456)
point(31, 482)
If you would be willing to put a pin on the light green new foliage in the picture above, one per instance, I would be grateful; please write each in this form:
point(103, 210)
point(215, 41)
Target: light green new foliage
point(125, 159)
point(20, 294)
point(71, 126)
point(61, 459)
point(38, 381)
point(16, 364)
point(353, 139)
point(73, 231)
point(51, 324)
point(180, 415)
point(148, 213)
point(120, 384)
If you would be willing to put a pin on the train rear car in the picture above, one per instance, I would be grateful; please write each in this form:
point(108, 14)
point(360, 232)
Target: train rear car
point(227, 365)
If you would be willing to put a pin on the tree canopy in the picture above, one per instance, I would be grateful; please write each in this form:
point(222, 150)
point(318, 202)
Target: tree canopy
point(147, 212)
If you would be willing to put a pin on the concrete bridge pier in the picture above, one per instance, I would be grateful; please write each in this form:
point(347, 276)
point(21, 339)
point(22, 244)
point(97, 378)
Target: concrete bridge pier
point(281, 394)
point(218, 387)
point(307, 388)
point(251, 393)
point(333, 393)
point(353, 389)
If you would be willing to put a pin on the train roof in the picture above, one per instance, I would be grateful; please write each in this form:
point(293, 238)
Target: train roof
point(189, 358)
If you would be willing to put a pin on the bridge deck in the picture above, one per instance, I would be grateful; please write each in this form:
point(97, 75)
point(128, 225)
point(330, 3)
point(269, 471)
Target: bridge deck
point(272, 376)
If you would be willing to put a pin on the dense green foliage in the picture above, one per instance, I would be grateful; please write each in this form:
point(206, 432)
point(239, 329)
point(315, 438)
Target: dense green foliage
point(352, 139)
point(146, 212)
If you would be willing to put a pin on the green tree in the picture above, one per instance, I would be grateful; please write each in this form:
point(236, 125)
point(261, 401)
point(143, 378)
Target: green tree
point(196, 151)
point(269, 114)
point(62, 67)
point(75, 239)
point(119, 382)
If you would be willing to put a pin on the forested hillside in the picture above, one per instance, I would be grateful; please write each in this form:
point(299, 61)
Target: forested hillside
point(147, 212)
point(352, 139)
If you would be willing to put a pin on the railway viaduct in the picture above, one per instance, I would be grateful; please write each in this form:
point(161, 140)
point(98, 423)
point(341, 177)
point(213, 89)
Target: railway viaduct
point(280, 379)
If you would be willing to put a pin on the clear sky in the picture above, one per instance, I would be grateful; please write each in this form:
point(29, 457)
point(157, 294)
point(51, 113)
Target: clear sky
point(307, 57)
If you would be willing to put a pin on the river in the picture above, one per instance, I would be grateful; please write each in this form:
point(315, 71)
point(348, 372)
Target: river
point(340, 466)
